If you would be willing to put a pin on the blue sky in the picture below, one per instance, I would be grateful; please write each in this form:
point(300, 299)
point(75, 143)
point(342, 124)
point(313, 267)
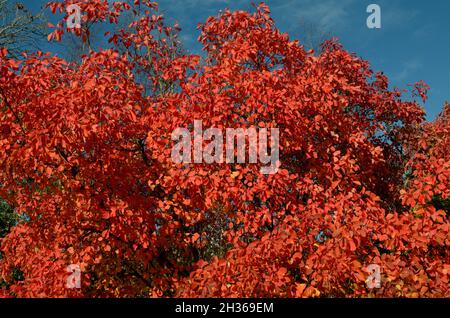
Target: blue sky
point(413, 43)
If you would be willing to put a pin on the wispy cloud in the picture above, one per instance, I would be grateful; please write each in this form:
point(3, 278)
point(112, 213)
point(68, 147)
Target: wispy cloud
point(399, 16)
point(327, 14)
point(408, 69)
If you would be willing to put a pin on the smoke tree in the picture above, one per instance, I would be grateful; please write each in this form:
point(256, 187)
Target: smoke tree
point(87, 160)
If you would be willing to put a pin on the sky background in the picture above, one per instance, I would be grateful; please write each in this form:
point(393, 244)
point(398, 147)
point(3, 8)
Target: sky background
point(413, 43)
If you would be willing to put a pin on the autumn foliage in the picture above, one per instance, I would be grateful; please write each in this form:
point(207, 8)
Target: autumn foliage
point(86, 164)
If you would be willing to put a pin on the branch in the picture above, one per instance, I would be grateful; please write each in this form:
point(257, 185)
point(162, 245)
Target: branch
point(16, 116)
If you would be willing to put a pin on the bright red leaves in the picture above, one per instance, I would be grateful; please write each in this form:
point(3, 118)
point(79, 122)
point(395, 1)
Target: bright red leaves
point(86, 156)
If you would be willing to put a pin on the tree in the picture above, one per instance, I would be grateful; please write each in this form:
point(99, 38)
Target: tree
point(313, 35)
point(86, 157)
point(7, 218)
point(20, 30)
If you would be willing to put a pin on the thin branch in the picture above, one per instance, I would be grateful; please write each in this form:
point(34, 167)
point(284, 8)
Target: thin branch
point(16, 116)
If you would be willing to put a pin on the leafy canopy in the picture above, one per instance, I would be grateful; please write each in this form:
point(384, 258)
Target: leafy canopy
point(86, 157)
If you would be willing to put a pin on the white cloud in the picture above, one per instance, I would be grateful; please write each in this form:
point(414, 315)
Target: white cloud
point(398, 16)
point(408, 68)
point(328, 14)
